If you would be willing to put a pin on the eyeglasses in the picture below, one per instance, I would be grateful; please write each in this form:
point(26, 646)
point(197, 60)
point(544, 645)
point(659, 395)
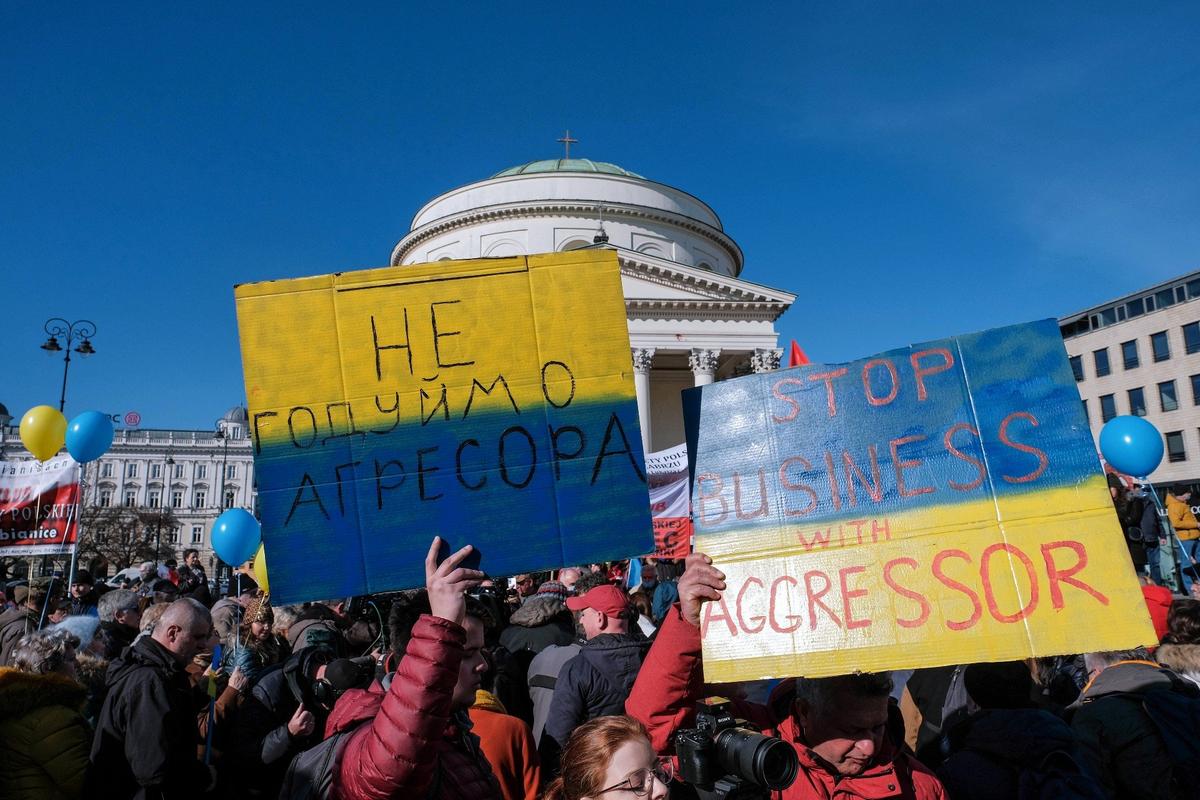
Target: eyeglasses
point(640, 782)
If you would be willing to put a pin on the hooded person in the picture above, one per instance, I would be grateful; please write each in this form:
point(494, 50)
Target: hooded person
point(1180, 648)
point(84, 599)
point(45, 738)
point(541, 621)
point(1006, 744)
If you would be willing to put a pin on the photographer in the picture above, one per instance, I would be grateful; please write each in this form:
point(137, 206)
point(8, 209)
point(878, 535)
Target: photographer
point(838, 726)
point(414, 738)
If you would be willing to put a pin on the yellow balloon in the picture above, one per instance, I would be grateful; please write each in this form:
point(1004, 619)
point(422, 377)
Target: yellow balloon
point(43, 431)
point(260, 569)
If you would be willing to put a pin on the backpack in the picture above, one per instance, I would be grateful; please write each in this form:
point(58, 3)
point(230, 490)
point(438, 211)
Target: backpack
point(1057, 775)
point(310, 775)
point(1175, 712)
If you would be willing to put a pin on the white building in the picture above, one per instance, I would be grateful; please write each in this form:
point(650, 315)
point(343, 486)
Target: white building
point(1140, 354)
point(197, 474)
point(692, 319)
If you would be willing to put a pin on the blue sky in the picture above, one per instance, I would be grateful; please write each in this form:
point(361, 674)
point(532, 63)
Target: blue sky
point(911, 171)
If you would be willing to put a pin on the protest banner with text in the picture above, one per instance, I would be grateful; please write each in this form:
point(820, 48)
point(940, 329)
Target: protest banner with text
point(941, 504)
point(39, 506)
point(670, 502)
point(490, 402)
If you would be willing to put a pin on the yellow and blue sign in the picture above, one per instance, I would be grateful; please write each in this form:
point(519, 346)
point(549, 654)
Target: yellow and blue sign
point(940, 504)
point(489, 402)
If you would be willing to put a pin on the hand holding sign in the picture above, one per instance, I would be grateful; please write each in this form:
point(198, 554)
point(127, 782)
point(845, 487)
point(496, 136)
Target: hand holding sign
point(448, 583)
point(701, 581)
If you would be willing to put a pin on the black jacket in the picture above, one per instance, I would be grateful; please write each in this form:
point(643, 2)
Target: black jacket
point(193, 582)
point(261, 741)
point(115, 637)
point(539, 623)
point(595, 683)
point(146, 735)
point(993, 751)
point(1120, 744)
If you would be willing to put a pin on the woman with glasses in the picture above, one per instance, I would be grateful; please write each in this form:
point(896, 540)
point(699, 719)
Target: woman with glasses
point(609, 758)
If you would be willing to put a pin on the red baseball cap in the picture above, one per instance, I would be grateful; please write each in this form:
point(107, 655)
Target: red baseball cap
point(607, 599)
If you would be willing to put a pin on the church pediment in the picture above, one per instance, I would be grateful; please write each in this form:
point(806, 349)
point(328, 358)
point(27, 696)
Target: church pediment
point(657, 283)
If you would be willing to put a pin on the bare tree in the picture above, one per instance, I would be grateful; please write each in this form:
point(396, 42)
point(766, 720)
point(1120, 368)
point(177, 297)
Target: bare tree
point(123, 536)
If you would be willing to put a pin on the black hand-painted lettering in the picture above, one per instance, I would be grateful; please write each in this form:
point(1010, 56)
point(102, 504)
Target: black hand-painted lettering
point(559, 455)
point(441, 403)
point(437, 353)
point(423, 470)
point(257, 434)
point(395, 409)
point(298, 501)
point(458, 466)
point(546, 387)
point(380, 486)
point(312, 421)
point(487, 392)
point(380, 347)
point(615, 422)
point(337, 471)
point(517, 429)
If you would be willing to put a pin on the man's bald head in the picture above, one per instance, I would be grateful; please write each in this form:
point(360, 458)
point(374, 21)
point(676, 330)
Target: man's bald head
point(184, 629)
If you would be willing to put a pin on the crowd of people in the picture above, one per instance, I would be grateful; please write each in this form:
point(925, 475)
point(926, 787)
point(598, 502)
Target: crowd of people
point(567, 685)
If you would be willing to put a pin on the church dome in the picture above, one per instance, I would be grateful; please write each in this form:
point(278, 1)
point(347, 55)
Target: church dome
point(236, 415)
point(567, 165)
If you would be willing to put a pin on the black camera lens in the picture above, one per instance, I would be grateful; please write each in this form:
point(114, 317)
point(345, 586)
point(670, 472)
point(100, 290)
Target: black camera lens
point(769, 762)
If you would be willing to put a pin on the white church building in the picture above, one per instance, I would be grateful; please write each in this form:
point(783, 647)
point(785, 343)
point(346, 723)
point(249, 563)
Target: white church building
point(692, 319)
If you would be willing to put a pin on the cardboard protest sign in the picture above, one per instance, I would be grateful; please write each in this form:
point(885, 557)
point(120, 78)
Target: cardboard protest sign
point(490, 402)
point(670, 502)
point(39, 506)
point(940, 504)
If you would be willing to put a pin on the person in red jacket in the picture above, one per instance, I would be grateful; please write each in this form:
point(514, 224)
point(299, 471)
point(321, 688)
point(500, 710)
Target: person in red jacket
point(418, 743)
point(838, 726)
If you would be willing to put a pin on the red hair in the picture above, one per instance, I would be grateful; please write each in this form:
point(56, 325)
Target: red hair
point(586, 757)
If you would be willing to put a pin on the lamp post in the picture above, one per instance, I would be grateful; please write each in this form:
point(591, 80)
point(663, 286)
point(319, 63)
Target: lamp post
point(158, 528)
point(71, 331)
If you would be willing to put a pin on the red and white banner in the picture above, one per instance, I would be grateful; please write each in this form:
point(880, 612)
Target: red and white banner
point(670, 502)
point(39, 506)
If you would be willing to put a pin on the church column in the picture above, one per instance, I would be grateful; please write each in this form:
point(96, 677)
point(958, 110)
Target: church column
point(766, 359)
point(642, 358)
point(703, 364)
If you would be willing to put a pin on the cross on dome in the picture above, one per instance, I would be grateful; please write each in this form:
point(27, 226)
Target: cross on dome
point(566, 141)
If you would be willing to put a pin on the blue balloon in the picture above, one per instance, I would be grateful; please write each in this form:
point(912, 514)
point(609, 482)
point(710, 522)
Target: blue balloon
point(89, 436)
point(236, 536)
point(1131, 445)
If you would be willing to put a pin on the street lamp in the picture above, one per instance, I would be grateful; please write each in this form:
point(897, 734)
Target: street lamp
point(158, 528)
point(71, 331)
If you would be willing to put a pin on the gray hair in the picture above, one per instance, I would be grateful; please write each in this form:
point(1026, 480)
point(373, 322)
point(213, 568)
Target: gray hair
point(286, 616)
point(1098, 662)
point(43, 652)
point(817, 693)
point(116, 600)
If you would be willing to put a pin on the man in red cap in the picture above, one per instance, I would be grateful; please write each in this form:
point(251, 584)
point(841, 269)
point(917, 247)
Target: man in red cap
point(597, 681)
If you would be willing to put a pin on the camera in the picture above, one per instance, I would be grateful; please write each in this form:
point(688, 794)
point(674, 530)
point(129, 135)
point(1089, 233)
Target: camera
point(725, 759)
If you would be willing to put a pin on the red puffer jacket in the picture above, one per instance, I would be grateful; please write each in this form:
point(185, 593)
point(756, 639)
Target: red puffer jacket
point(664, 699)
point(414, 747)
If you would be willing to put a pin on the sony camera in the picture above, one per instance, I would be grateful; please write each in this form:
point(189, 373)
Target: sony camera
point(724, 759)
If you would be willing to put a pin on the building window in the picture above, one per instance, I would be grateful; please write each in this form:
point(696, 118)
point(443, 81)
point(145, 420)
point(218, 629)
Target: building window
point(1108, 407)
point(1077, 367)
point(154, 498)
point(179, 470)
point(177, 498)
point(1101, 357)
point(130, 498)
point(105, 498)
point(1195, 390)
point(106, 469)
point(1166, 396)
point(173, 535)
point(1175, 451)
point(231, 471)
point(1160, 346)
point(1191, 337)
point(202, 470)
point(156, 470)
point(1086, 417)
point(131, 470)
point(1135, 308)
point(1137, 402)
point(1129, 353)
point(229, 499)
point(197, 534)
point(1164, 298)
point(200, 497)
